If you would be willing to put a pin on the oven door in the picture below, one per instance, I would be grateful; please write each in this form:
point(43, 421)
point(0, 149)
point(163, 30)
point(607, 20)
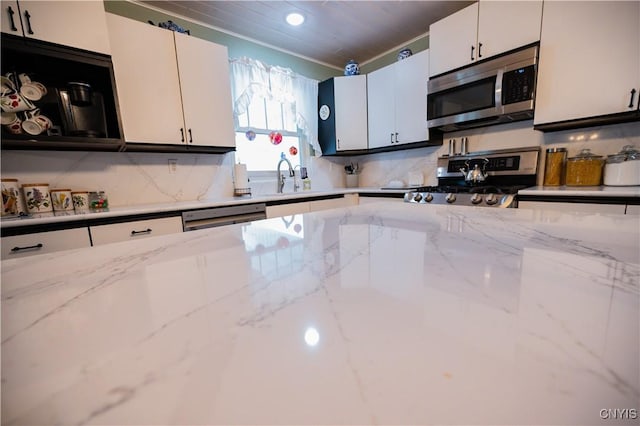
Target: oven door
point(467, 102)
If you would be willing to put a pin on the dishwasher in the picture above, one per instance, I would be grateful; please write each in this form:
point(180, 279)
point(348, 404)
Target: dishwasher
point(220, 216)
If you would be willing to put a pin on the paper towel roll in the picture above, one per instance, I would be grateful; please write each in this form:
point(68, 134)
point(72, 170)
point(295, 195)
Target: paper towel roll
point(241, 180)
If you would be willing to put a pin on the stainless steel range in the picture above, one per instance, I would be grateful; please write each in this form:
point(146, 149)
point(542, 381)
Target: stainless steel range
point(487, 178)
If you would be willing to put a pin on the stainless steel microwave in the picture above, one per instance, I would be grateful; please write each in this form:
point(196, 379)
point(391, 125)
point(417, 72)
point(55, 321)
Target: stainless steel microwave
point(495, 91)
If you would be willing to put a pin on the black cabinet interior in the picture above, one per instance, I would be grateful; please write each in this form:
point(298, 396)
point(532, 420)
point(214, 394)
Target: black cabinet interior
point(55, 66)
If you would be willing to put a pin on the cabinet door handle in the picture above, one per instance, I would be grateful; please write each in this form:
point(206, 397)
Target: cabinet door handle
point(146, 231)
point(11, 13)
point(633, 95)
point(472, 49)
point(36, 247)
point(338, 143)
point(182, 134)
point(27, 15)
point(390, 137)
point(396, 137)
point(190, 137)
point(479, 50)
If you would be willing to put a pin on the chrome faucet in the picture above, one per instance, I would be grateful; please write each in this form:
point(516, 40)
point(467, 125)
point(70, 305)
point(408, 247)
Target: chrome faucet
point(281, 176)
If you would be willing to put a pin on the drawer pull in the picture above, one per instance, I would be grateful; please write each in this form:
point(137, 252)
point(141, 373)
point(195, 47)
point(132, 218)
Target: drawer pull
point(633, 94)
point(36, 247)
point(146, 231)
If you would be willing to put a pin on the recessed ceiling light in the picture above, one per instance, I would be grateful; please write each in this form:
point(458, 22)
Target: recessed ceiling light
point(295, 19)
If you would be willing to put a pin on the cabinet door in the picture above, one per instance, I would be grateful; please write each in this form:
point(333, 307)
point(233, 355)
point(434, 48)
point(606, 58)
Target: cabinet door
point(507, 25)
point(332, 203)
point(44, 242)
point(135, 230)
point(411, 76)
point(351, 112)
point(633, 209)
point(80, 24)
point(10, 18)
point(589, 60)
point(206, 91)
point(573, 207)
point(381, 106)
point(146, 73)
point(287, 209)
point(452, 40)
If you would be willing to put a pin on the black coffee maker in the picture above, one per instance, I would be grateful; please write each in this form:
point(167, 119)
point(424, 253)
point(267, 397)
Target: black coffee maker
point(82, 110)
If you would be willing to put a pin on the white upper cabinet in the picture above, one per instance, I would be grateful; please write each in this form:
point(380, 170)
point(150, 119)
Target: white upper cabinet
point(589, 60)
point(381, 106)
point(342, 114)
point(172, 88)
point(507, 25)
point(452, 39)
point(206, 91)
point(482, 30)
point(79, 24)
point(351, 112)
point(397, 102)
point(144, 62)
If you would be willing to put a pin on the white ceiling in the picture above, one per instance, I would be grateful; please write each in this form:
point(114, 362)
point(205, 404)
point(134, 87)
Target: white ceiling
point(334, 31)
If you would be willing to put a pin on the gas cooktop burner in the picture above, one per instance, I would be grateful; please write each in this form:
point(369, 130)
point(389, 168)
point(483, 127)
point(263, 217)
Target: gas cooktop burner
point(486, 189)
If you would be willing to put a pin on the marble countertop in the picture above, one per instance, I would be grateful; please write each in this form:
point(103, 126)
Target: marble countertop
point(61, 217)
point(583, 191)
point(384, 313)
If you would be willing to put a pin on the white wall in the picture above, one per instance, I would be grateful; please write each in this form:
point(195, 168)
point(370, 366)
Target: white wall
point(142, 178)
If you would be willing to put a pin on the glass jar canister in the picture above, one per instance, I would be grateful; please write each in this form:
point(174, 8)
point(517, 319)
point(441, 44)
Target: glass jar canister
point(623, 168)
point(585, 169)
point(555, 161)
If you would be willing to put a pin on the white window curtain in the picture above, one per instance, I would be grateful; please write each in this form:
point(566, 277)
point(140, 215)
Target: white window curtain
point(251, 78)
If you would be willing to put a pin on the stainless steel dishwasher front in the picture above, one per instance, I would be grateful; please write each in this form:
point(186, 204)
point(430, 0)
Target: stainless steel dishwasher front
point(219, 216)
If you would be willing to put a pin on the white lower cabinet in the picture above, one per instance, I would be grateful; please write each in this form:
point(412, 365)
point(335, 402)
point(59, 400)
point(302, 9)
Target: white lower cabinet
point(311, 206)
point(573, 207)
point(369, 200)
point(333, 203)
point(287, 209)
point(136, 230)
point(633, 209)
point(44, 242)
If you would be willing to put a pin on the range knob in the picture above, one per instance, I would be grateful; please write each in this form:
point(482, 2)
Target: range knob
point(428, 198)
point(476, 199)
point(491, 199)
point(451, 198)
point(417, 198)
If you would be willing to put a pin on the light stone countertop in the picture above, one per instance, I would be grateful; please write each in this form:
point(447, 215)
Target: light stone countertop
point(384, 313)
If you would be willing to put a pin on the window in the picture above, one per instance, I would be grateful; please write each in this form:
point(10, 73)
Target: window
point(274, 113)
point(256, 128)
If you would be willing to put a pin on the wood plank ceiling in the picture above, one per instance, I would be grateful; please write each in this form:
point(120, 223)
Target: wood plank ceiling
point(334, 31)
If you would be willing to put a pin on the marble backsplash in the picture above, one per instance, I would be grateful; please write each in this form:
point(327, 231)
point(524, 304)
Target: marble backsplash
point(379, 169)
point(144, 178)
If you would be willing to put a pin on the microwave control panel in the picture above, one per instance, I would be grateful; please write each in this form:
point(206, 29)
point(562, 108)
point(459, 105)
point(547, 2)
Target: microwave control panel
point(518, 85)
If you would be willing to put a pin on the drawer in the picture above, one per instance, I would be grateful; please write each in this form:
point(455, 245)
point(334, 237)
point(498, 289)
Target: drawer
point(44, 242)
point(571, 207)
point(333, 203)
point(287, 209)
point(135, 230)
